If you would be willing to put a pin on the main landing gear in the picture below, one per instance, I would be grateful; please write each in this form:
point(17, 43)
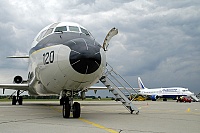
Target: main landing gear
point(69, 106)
point(17, 98)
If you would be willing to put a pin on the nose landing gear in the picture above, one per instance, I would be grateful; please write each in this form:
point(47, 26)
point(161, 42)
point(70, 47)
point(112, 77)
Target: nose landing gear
point(69, 106)
point(66, 108)
point(76, 110)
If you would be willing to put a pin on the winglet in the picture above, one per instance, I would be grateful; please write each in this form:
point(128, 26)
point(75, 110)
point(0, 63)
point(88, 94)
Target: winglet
point(140, 84)
point(109, 36)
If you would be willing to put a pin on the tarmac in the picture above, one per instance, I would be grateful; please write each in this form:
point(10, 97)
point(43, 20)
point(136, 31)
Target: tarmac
point(101, 117)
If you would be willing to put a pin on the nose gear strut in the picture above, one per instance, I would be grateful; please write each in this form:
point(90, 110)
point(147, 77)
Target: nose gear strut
point(69, 106)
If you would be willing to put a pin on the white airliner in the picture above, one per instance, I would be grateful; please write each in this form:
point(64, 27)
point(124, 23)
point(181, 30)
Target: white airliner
point(173, 92)
point(64, 60)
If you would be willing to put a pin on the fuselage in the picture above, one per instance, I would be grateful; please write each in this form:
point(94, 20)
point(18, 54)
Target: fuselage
point(64, 56)
point(166, 92)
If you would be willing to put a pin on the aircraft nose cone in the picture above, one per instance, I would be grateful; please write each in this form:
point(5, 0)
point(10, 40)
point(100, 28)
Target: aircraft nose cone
point(85, 55)
point(85, 62)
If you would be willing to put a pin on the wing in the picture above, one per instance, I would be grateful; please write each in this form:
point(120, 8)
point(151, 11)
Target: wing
point(15, 86)
point(21, 56)
point(105, 88)
point(97, 88)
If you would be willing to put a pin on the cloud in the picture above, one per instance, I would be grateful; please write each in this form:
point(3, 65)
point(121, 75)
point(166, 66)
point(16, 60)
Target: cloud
point(157, 40)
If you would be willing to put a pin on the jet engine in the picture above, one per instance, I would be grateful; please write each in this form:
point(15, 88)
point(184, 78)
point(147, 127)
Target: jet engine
point(154, 97)
point(17, 80)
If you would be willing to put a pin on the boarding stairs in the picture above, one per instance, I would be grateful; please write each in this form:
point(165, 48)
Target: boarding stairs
point(112, 80)
point(194, 97)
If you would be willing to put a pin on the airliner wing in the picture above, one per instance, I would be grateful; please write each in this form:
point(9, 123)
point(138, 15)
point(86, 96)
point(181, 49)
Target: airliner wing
point(20, 56)
point(97, 88)
point(15, 86)
point(105, 88)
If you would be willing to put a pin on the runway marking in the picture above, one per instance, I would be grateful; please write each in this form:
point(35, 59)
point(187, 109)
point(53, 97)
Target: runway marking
point(145, 106)
point(98, 126)
point(188, 110)
point(89, 122)
point(56, 109)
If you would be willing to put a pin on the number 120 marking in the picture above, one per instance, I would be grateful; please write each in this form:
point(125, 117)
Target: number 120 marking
point(48, 57)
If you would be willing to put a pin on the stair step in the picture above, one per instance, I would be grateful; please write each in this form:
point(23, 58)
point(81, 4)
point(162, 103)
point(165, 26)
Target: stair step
point(115, 94)
point(111, 90)
point(123, 101)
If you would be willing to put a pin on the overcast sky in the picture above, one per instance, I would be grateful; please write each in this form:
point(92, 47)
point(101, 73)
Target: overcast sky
point(158, 40)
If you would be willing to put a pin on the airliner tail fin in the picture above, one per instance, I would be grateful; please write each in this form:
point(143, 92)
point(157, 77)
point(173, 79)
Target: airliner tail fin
point(140, 84)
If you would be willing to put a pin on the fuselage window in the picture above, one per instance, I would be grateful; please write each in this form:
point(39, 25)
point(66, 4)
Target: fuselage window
point(84, 31)
point(74, 28)
point(61, 29)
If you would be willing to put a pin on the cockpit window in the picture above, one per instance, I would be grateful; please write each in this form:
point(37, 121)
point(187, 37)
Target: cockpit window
point(84, 31)
point(61, 29)
point(74, 28)
point(49, 31)
point(41, 35)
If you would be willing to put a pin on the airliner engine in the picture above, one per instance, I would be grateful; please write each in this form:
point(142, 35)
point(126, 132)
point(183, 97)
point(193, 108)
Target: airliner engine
point(17, 80)
point(154, 97)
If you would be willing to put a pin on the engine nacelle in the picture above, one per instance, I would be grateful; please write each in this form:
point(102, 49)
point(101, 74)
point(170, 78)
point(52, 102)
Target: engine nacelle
point(17, 80)
point(154, 97)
